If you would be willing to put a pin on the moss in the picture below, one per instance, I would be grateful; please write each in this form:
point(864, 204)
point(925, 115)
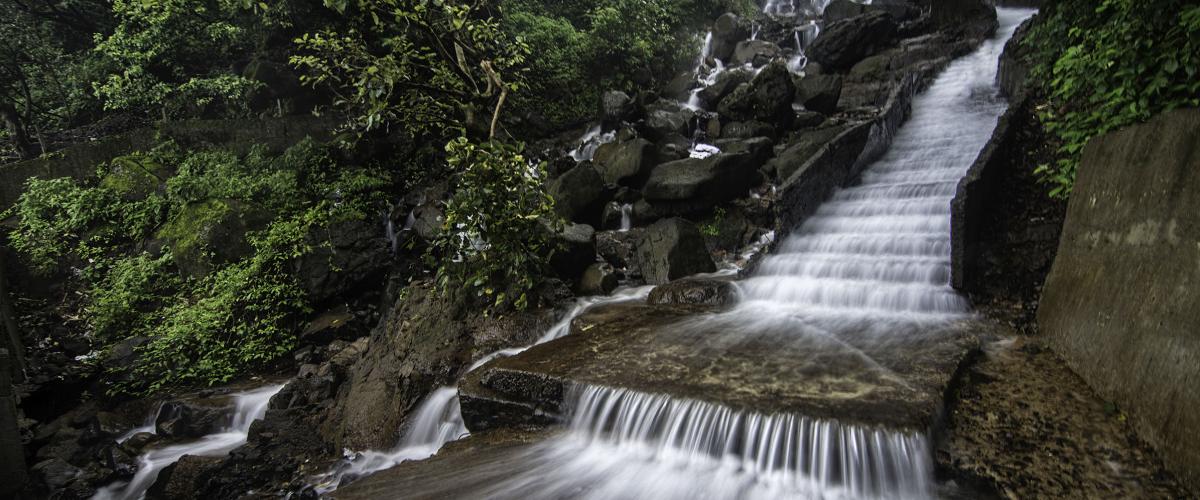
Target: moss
point(134, 176)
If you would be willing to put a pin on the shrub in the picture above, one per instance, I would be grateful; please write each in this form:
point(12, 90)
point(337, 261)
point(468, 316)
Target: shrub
point(1106, 66)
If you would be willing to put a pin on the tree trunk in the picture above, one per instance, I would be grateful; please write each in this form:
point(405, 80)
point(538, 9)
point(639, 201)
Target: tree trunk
point(20, 139)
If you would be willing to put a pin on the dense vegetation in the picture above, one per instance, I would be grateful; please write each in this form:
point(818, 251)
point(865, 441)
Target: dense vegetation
point(192, 255)
point(1106, 65)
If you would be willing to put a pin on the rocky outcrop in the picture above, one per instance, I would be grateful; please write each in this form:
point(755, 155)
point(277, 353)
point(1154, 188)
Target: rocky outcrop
point(842, 44)
point(1122, 303)
point(671, 249)
point(1014, 62)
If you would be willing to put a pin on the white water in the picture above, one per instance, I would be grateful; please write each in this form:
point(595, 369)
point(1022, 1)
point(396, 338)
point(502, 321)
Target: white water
point(626, 218)
point(873, 261)
point(438, 419)
point(248, 407)
point(591, 140)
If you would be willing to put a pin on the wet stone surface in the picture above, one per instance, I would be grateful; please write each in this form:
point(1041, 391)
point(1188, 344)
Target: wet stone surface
point(891, 376)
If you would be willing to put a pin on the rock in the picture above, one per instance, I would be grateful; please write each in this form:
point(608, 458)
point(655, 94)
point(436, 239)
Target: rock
point(725, 84)
point(598, 279)
point(138, 442)
point(1014, 62)
point(343, 256)
point(617, 248)
point(663, 123)
point(178, 481)
point(729, 27)
point(973, 19)
point(848, 41)
point(746, 130)
point(701, 291)
point(768, 97)
point(580, 194)
point(819, 93)
point(718, 178)
point(56, 473)
point(626, 162)
point(616, 106)
point(577, 251)
point(210, 233)
point(671, 249)
point(804, 146)
point(121, 462)
point(103, 426)
point(838, 10)
point(185, 419)
point(807, 119)
point(755, 52)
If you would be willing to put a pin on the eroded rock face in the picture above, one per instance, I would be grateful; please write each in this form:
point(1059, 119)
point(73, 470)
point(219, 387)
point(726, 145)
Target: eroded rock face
point(671, 249)
point(848, 41)
point(697, 291)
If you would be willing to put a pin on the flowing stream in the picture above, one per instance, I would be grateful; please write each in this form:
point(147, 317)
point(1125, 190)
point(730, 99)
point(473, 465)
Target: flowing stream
point(247, 407)
point(872, 263)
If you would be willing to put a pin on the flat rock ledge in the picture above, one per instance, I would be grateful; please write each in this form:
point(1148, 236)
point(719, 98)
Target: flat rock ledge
point(692, 351)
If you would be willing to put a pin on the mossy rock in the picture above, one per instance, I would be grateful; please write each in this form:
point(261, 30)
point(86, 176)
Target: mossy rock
point(135, 176)
point(208, 234)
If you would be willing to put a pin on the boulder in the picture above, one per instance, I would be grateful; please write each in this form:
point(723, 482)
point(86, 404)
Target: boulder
point(700, 291)
point(120, 461)
point(768, 97)
point(718, 178)
point(580, 194)
point(138, 442)
point(838, 10)
point(725, 84)
point(186, 419)
point(56, 473)
point(598, 279)
point(671, 249)
point(1015, 62)
point(626, 162)
point(616, 106)
point(973, 19)
point(755, 52)
point(577, 251)
point(807, 119)
point(844, 43)
point(746, 130)
point(178, 481)
point(663, 123)
point(617, 248)
point(819, 93)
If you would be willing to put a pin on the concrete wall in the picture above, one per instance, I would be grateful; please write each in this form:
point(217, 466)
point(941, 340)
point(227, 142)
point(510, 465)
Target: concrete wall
point(1122, 302)
point(80, 161)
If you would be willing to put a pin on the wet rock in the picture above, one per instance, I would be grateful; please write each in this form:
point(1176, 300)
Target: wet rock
point(725, 84)
point(178, 481)
point(972, 19)
point(702, 182)
point(184, 419)
point(138, 442)
point(598, 279)
point(807, 119)
point(799, 150)
point(746, 130)
point(730, 28)
point(104, 426)
point(838, 10)
point(580, 194)
point(1014, 62)
point(755, 52)
point(671, 249)
point(56, 473)
point(617, 248)
point(120, 461)
point(699, 291)
point(846, 42)
point(768, 97)
point(819, 93)
point(577, 251)
point(626, 162)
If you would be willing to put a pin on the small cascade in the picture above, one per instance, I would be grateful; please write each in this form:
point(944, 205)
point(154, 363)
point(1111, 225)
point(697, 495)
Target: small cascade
point(798, 60)
point(438, 419)
point(248, 406)
point(626, 222)
point(755, 29)
point(146, 427)
point(705, 73)
point(787, 452)
point(590, 141)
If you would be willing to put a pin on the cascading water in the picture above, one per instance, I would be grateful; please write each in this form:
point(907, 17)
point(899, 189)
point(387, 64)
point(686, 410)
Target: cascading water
point(248, 407)
point(626, 218)
point(591, 140)
point(873, 261)
point(438, 419)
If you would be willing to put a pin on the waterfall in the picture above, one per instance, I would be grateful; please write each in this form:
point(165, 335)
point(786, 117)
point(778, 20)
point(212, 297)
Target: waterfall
point(871, 266)
point(248, 406)
point(626, 223)
point(592, 139)
point(438, 419)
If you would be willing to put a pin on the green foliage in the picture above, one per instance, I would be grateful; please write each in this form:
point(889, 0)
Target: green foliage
point(432, 69)
point(499, 225)
point(584, 48)
point(713, 226)
point(202, 327)
point(1106, 66)
point(164, 50)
